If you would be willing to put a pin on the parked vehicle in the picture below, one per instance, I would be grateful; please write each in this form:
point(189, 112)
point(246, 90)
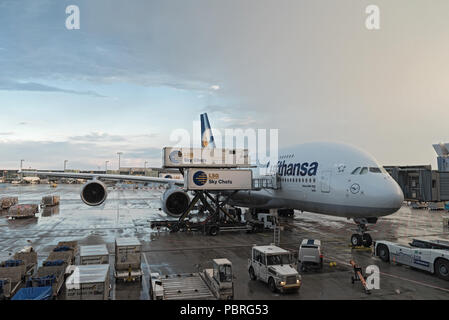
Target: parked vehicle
point(272, 265)
point(428, 255)
point(310, 256)
point(214, 283)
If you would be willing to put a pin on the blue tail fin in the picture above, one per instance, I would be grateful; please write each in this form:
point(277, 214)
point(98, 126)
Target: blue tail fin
point(207, 138)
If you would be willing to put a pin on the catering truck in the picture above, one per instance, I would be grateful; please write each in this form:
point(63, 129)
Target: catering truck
point(272, 265)
point(216, 283)
point(428, 255)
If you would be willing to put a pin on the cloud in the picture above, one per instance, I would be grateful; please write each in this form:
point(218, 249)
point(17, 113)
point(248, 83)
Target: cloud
point(97, 136)
point(6, 133)
point(6, 85)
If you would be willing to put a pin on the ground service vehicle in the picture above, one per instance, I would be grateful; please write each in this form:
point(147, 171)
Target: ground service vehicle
point(428, 255)
point(272, 265)
point(216, 283)
point(310, 255)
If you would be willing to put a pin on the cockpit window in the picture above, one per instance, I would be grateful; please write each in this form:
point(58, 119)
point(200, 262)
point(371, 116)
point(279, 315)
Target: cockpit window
point(364, 170)
point(375, 170)
point(356, 170)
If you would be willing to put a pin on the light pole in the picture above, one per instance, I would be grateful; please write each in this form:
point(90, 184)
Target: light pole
point(106, 166)
point(65, 164)
point(21, 167)
point(119, 154)
point(145, 166)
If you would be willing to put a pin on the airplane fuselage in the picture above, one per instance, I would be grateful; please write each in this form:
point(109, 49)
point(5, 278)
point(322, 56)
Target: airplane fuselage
point(328, 178)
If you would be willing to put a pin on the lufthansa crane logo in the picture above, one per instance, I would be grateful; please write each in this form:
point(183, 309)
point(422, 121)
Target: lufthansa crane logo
point(175, 156)
point(355, 188)
point(200, 178)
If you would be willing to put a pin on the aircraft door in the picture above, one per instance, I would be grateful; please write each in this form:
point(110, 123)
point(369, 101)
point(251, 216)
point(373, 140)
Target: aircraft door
point(326, 181)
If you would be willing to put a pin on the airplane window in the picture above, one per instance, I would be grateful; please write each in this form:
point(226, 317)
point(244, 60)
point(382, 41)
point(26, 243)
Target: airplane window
point(364, 170)
point(374, 170)
point(356, 170)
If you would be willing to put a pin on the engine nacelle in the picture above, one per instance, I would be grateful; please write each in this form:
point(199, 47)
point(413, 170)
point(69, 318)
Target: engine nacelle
point(94, 193)
point(175, 202)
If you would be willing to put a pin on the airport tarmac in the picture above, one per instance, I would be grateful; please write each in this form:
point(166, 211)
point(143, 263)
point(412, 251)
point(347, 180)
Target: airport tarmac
point(128, 212)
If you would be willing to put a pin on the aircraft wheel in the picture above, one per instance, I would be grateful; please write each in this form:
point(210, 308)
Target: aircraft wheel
point(356, 240)
point(367, 240)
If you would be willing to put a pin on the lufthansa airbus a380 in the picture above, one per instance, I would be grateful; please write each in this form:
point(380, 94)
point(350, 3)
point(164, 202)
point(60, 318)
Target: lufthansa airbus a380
point(325, 178)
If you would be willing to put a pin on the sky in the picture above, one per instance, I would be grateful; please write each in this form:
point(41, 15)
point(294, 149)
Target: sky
point(137, 70)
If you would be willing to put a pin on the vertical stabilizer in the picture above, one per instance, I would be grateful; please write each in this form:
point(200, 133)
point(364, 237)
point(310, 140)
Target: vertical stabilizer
point(207, 138)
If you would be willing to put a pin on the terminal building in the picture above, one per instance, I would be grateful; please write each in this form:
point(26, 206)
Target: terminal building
point(421, 183)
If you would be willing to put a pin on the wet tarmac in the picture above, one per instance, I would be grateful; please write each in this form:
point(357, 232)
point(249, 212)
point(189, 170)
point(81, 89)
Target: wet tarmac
point(128, 212)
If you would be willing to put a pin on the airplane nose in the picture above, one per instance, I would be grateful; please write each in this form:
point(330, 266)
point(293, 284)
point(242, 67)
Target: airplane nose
point(394, 197)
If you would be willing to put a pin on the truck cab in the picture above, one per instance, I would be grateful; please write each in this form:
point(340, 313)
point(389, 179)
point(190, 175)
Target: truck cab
point(272, 265)
point(220, 279)
point(269, 221)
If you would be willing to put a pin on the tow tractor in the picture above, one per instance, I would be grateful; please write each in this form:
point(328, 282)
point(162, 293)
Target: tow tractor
point(216, 283)
point(428, 255)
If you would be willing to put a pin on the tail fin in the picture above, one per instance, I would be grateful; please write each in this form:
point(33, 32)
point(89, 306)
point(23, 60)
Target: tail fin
point(207, 138)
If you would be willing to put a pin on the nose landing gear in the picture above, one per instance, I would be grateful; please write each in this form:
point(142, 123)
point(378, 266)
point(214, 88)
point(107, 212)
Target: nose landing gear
point(361, 238)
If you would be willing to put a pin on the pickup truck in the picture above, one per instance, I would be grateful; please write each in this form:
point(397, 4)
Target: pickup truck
point(272, 265)
point(428, 255)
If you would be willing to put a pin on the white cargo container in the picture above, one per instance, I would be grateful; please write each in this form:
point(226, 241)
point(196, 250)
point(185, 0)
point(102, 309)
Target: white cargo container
point(97, 254)
point(128, 259)
point(218, 179)
point(88, 283)
point(198, 157)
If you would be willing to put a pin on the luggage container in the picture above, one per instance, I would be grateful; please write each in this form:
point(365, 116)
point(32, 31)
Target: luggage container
point(88, 282)
point(128, 259)
point(14, 271)
point(50, 276)
point(50, 201)
point(20, 211)
point(29, 257)
point(8, 202)
point(5, 289)
point(66, 256)
point(97, 254)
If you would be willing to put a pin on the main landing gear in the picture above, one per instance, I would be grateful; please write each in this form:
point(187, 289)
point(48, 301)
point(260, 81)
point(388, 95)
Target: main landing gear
point(362, 238)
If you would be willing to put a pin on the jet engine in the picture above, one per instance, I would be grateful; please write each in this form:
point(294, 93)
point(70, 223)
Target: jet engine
point(94, 193)
point(175, 202)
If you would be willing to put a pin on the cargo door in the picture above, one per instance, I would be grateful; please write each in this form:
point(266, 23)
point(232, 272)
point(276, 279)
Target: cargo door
point(326, 181)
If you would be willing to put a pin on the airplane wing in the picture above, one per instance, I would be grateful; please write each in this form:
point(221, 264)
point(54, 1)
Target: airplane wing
point(105, 177)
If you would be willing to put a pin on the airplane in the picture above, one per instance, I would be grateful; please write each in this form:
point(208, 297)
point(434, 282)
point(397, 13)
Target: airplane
point(327, 178)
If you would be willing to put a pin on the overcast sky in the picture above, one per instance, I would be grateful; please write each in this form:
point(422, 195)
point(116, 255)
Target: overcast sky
point(136, 70)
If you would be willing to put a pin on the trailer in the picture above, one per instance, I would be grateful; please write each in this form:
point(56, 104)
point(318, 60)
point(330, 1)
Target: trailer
point(14, 271)
point(21, 211)
point(428, 255)
point(97, 254)
point(88, 282)
point(128, 259)
point(51, 275)
point(8, 202)
point(216, 283)
point(29, 257)
point(50, 201)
